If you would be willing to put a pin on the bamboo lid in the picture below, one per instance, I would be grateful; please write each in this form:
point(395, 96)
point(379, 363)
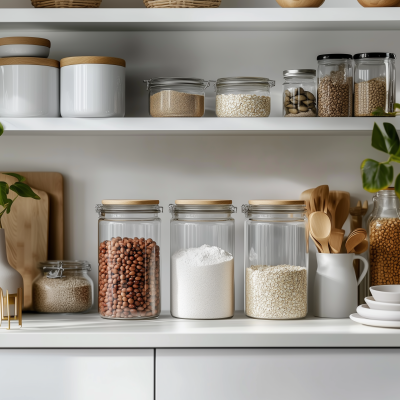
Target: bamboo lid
point(276, 202)
point(65, 62)
point(46, 62)
point(203, 202)
point(130, 202)
point(25, 40)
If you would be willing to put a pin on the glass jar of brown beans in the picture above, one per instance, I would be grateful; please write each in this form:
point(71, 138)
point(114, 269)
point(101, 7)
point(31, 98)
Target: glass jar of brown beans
point(384, 232)
point(129, 259)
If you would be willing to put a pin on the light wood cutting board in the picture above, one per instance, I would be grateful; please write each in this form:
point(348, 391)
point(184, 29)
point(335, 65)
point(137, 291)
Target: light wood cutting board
point(27, 234)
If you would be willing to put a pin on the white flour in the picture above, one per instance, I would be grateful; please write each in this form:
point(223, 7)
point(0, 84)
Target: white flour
point(202, 283)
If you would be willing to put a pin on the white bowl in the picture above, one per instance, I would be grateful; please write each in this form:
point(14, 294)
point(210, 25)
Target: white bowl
point(380, 315)
point(386, 293)
point(24, 47)
point(377, 305)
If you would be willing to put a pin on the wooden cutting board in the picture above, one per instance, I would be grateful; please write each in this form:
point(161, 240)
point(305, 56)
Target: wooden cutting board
point(53, 184)
point(27, 234)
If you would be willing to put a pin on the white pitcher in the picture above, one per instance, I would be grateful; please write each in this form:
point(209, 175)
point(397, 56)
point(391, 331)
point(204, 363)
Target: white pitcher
point(335, 287)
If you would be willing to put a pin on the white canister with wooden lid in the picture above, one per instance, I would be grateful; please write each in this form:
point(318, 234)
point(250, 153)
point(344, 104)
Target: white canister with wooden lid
point(29, 87)
point(24, 47)
point(92, 87)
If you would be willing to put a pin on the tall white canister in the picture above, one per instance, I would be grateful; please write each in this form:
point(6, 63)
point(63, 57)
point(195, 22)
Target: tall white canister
point(92, 87)
point(29, 87)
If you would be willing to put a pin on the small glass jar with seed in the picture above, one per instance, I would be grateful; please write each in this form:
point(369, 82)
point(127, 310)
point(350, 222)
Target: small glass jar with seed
point(375, 83)
point(243, 97)
point(299, 93)
point(176, 97)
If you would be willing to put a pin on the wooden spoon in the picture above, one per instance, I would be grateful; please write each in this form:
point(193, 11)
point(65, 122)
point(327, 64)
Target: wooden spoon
point(317, 244)
point(342, 208)
point(332, 204)
point(320, 228)
point(336, 240)
point(319, 199)
point(362, 247)
point(355, 240)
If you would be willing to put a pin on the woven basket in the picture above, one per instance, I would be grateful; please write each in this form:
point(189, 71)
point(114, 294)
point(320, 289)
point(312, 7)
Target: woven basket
point(182, 3)
point(66, 3)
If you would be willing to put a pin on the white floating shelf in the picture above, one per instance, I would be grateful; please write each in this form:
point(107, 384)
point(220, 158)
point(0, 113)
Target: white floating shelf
point(224, 19)
point(192, 126)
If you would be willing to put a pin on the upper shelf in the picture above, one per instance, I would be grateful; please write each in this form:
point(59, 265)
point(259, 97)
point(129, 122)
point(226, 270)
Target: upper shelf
point(224, 19)
point(192, 126)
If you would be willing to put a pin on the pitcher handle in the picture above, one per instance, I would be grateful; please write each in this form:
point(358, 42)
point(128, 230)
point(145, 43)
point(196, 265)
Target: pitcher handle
point(365, 269)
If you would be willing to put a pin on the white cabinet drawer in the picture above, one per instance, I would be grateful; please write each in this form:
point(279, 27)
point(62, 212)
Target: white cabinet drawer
point(284, 374)
point(77, 374)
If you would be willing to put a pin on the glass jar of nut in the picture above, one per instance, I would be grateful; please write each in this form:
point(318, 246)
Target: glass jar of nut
point(299, 93)
point(384, 233)
point(375, 83)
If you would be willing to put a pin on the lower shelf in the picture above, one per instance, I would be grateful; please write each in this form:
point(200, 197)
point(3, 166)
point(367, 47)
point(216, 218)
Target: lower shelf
point(192, 126)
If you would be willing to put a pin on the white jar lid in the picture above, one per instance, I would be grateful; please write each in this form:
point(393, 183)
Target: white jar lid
point(65, 62)
point(46, 62)
point(6, 41)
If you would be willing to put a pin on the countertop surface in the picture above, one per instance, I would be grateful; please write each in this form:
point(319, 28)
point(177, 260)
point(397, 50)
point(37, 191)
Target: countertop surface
point(91, 331)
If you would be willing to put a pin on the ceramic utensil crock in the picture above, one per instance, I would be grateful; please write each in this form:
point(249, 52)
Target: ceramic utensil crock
point(335, 286)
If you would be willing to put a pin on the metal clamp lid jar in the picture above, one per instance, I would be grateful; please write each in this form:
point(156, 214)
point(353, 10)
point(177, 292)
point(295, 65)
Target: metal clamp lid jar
point(299, 93)
point(275, 259)
point(129, 259)
point(243, 97)
point(335, 85)
point(63, 286)
point(375, 83)
point(202, 259)
point(176, 97)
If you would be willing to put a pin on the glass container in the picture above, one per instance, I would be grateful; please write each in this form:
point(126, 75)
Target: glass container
point(176, 97)
point(63, 287)
point(375, 83)
point(299, 93)
point(202, 259)
point(384, 236)
point(129, 259)
point(335, 85)
point(275, 259)
point(243, 97)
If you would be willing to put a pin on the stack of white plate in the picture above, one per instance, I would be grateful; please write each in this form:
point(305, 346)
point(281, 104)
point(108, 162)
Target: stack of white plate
point(382, 308)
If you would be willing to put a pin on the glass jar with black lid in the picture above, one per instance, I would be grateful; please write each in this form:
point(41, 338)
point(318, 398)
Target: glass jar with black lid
point(176, 97)
point(375, 83)
point(335, 85)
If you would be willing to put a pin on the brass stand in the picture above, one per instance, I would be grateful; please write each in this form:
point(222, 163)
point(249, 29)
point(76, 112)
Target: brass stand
point(5, 303)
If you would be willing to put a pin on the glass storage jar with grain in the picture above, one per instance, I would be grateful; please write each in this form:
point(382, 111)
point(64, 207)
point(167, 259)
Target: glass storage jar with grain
point(375, 83)
point(176, 97)
point(384, 235)
point(299, 93)
point(202, 259)
point(129, 259)
point(275, 259)
point(63, 287)
point(243, 97)
point(335, 85)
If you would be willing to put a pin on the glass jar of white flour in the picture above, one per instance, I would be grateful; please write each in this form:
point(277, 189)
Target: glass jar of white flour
point(275, 259)
point(202, 259)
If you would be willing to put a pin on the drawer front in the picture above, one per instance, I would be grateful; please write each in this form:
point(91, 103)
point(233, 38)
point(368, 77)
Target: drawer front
point(77, 374)
point(284, 374)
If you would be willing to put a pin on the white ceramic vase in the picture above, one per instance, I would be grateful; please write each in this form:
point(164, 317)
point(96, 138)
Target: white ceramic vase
point(335, 286)
point(10, 279)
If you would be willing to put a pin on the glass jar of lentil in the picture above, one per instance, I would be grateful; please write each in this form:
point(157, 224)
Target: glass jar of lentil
point(129, 259)
point(384, 233)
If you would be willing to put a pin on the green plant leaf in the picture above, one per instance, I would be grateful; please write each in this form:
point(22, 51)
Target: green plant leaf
point(4, 190)
point(23, 190)
point(8, 205)
point(13, 174)
point(391, 138)
point(396, 106)
point(378, 140)
point(1, 129)
point(376, 176)
point(397, 186)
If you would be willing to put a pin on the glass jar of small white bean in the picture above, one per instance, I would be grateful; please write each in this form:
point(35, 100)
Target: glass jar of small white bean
point(243, 97)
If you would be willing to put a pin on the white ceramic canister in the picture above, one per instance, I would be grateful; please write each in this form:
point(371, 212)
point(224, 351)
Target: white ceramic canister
point(24, 47)
point(92, 87)
point(29, 87)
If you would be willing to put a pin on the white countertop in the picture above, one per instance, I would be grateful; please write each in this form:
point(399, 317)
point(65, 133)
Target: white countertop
point(91, 331)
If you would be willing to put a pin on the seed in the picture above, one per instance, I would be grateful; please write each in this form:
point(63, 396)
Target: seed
point(170, 103)
point(299, 104)
point(368, 96)
point(243, 105)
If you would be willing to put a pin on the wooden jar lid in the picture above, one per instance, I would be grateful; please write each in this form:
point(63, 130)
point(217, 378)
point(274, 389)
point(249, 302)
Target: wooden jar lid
point(25, 40)
point(203, 202)
point(130, 202)
point(46, 62)
point(277, 202)
point(65, 62)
